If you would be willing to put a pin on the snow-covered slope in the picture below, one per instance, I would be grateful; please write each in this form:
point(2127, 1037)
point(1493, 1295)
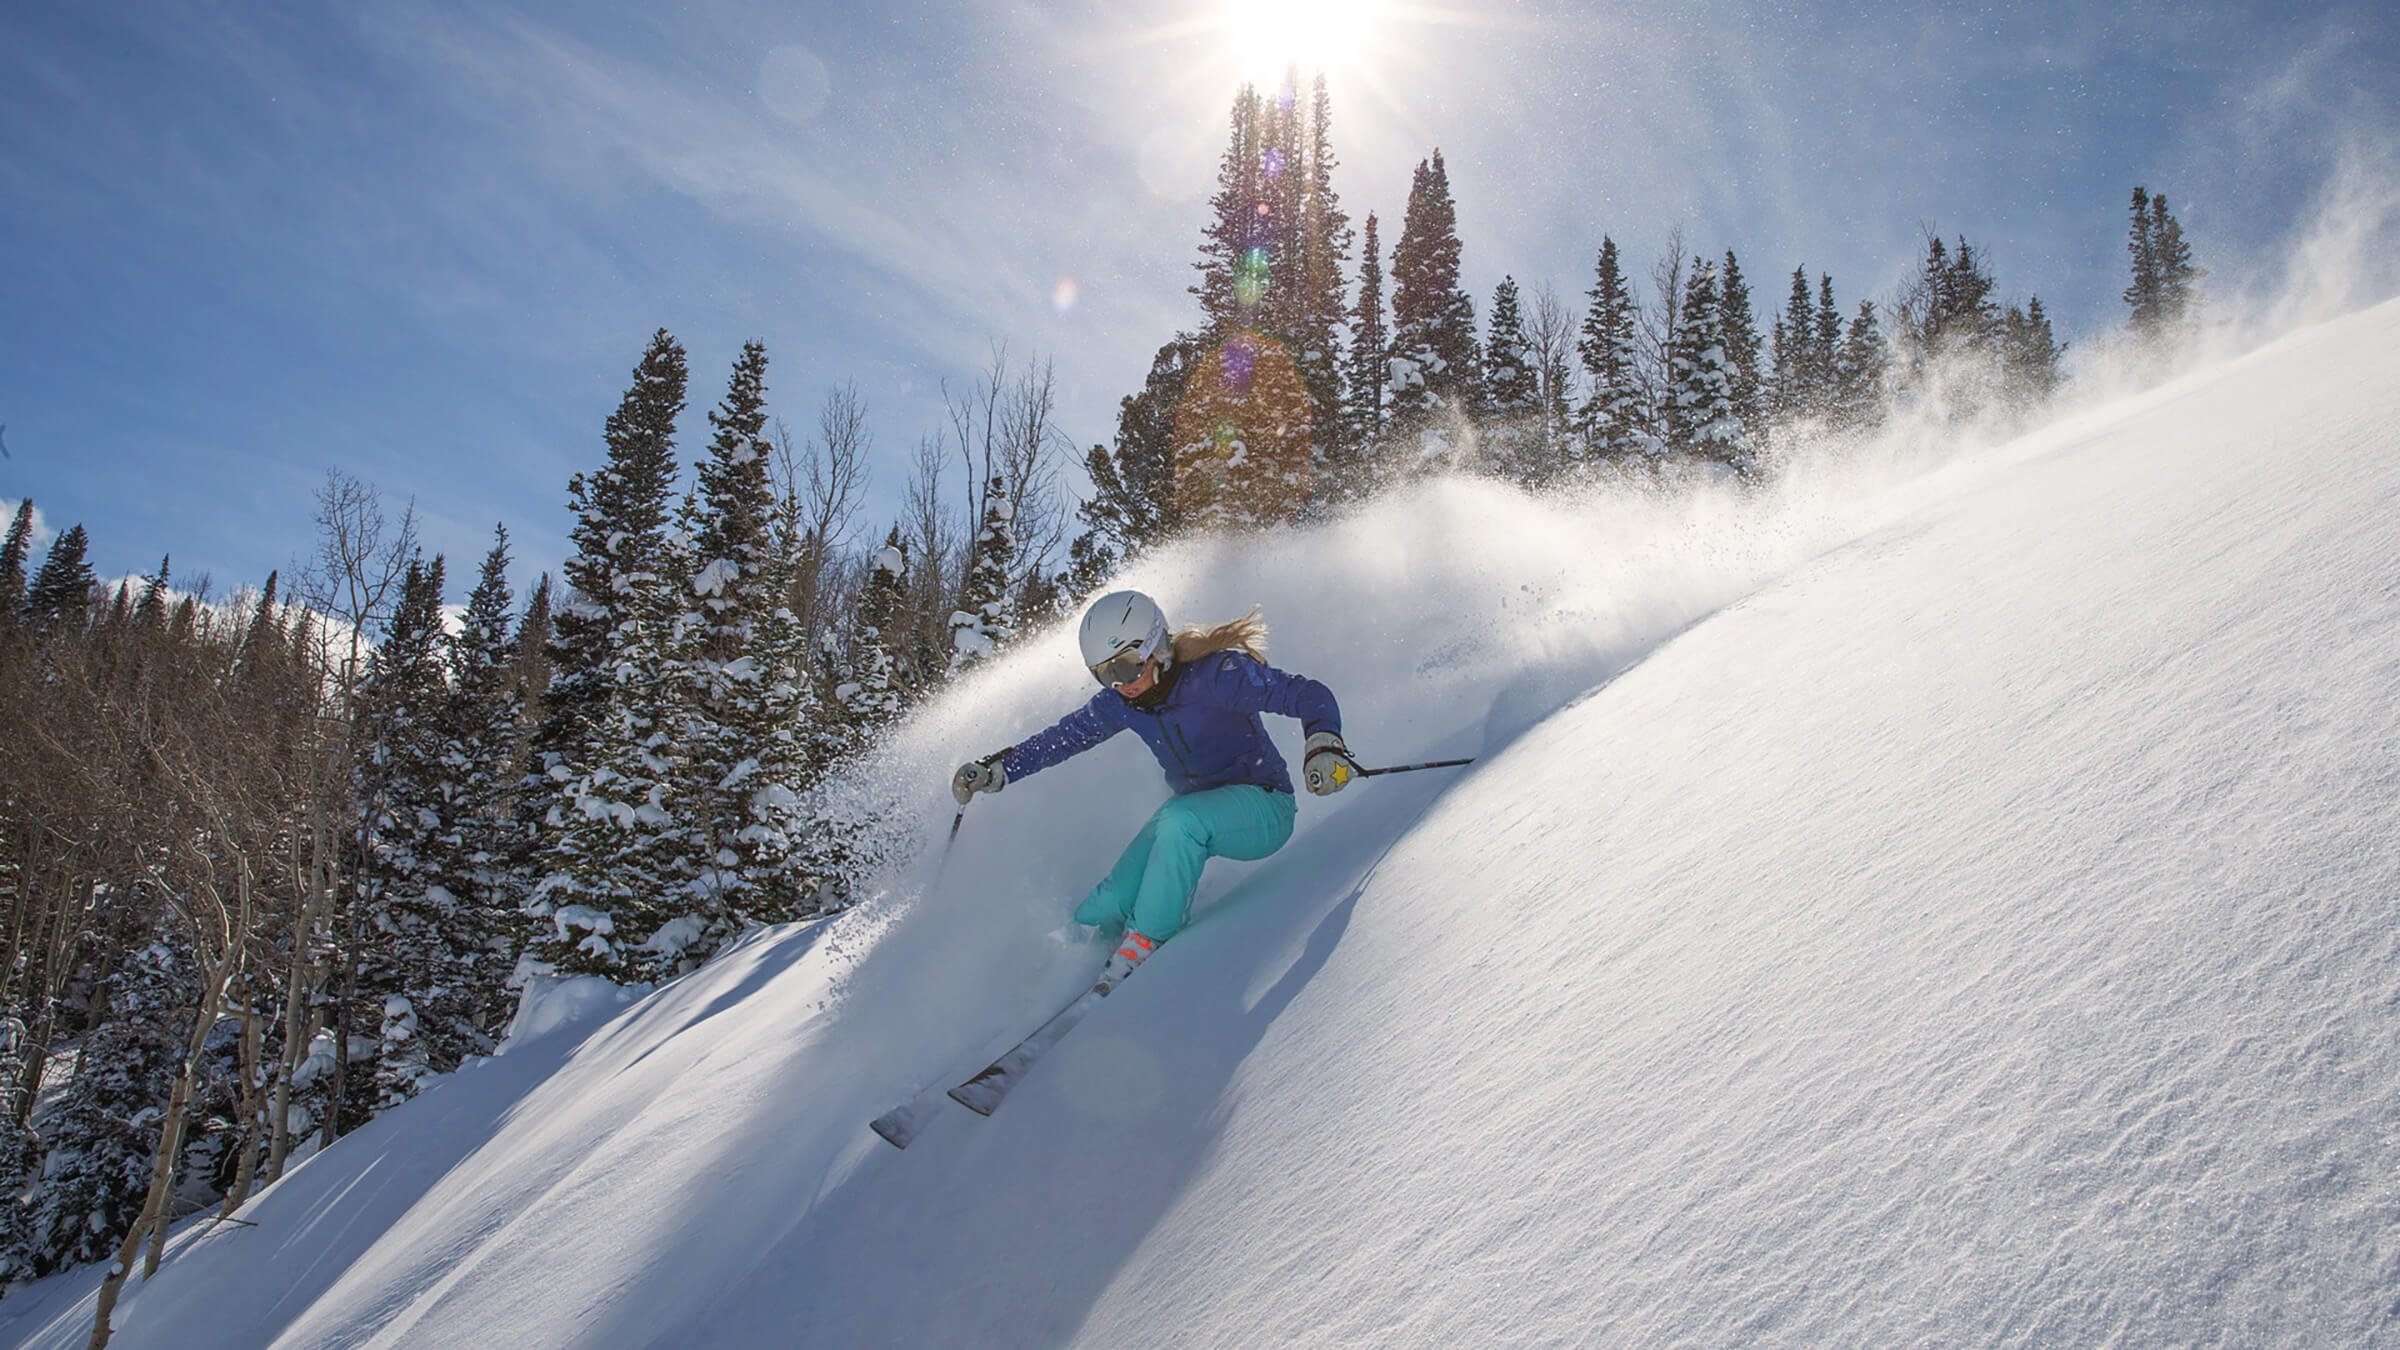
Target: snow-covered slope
point(1955, 907)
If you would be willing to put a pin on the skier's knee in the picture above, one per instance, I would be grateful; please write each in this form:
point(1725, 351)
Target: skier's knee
point(1179, 822)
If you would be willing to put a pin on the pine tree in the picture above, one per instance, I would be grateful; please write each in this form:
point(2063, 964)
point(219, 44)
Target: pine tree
point(1950, 327)
point(1797, 392)
point(12, 565)
point(1271, 280)
point(606, 741)
point(408, 972)
point(984, 621)
point(1368, 374)
point(1315, 333)
point(619, 535)
point(745, 720)
point(484, 744)
point(1512, 420)
point(1825, 349)
point(1860, 374)
point(876, 691)
point(1435, 380)
point(1132, 506)
point(1703, 422)
point(1740, 333)
point(2029, 355)
point(104, 1136)
point(2164, 289)
point(60, 599)
point(1235, 252)
point(1614, 422)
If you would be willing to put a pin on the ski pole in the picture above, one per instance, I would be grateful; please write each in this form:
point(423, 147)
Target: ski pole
point(955, 822)
point(1412, 768)
point(944, 865)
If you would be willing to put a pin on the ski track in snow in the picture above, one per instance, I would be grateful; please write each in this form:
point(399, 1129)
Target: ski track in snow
point(1950, 905)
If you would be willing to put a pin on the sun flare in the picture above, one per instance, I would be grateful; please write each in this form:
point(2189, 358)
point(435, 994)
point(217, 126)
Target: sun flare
point(1314, 35)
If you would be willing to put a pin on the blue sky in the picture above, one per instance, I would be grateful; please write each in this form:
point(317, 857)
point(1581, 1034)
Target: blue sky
point(424, 243)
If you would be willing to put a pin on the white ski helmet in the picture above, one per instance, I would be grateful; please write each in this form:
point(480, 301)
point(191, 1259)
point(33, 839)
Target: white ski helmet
point(1121, 631)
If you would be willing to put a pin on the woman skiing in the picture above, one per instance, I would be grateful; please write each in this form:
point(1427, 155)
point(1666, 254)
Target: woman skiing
point(1195, 701)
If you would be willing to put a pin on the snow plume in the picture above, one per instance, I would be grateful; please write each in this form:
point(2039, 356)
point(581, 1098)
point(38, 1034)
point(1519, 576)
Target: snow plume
point(1449, 619)
point(2347, 254)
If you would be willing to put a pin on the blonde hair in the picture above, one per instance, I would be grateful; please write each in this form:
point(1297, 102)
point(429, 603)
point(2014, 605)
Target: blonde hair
point(1247, 634)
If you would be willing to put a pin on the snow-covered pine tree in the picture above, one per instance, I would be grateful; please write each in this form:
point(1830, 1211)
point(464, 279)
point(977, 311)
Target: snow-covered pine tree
point(1825, 351)
point(60, 599)
point(875, 688)
point(1740, 331)
point(1315, 336)
point(1512, 389)
point(984, 621)
point(1703, 423)
point(2165, 286)
point(1795, 390)
point(754, 736)
point(531, 794)
point(728, 521)
point(13, 554)
point(409, 975)
point(103, 1138)
point(605, 745)
point(1859, 374)
point(1952, 325)
point(1435, 379)
point(620, 531)
point(485, 745)
point(2029, 357)
point(1614, 422)
point(1367, 373)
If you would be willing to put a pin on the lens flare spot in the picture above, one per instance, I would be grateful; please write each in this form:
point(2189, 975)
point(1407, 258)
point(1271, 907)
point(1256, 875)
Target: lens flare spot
point(1062, 295)
point(794, 84)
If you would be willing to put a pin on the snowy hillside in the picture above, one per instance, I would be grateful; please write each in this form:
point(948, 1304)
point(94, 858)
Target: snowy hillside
point(1947, 907)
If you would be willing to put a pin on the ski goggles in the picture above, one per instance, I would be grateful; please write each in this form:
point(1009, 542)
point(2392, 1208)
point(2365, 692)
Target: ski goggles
point(1123, 668)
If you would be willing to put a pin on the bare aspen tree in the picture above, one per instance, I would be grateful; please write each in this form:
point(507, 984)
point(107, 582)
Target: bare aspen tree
point(1662, 319)
point(1552, 331)
point(352, 581)
point(819, 487)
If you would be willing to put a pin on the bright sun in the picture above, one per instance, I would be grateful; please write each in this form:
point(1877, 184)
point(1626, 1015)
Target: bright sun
point(1315, 35)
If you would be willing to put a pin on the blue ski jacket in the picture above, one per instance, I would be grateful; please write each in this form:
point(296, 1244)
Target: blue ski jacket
point(1203, 724)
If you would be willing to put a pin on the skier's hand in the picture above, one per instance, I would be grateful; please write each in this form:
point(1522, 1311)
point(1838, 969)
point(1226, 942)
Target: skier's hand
point(977, 775)
point(1327, 766)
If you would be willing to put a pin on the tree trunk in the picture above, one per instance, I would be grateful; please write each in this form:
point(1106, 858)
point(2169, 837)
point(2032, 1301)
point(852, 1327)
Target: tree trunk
point(254, 1104)
point(152, 1222)
point(297, 1031)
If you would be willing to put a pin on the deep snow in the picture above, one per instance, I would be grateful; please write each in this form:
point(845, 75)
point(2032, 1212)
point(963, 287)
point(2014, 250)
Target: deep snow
point(1929, 905)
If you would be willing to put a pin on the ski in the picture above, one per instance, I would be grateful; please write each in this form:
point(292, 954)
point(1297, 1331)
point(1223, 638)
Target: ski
point(900, 1126)
point(982, 1093)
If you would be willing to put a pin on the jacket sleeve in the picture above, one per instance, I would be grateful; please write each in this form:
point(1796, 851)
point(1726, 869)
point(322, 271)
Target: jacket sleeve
point(1249, 685)
point(1069, 736)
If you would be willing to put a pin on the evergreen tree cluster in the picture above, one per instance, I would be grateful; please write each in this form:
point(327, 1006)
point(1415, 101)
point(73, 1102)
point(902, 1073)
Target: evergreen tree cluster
point(272, 864)
point(1665, 377)
point(2164, 292)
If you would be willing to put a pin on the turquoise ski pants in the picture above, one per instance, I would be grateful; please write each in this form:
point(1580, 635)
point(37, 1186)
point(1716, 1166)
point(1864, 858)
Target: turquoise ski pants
point(1150, 888)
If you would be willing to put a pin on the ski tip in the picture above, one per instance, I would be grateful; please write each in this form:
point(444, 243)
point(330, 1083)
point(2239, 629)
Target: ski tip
point(897, 1128)
point(967, 1095)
